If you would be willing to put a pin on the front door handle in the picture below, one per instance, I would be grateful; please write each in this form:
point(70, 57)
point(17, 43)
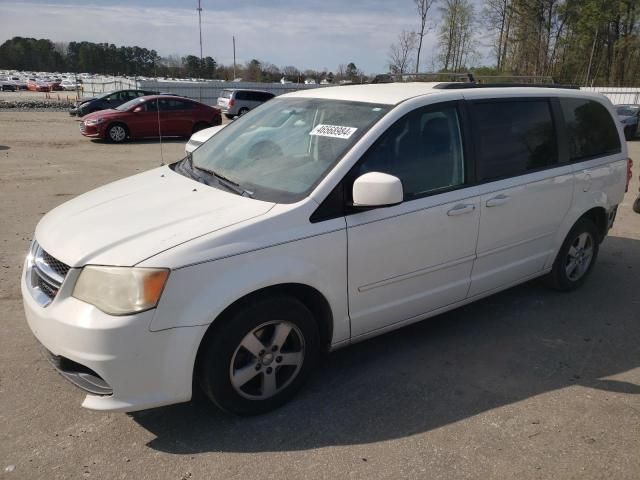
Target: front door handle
point(461, 209)
point(497, 200)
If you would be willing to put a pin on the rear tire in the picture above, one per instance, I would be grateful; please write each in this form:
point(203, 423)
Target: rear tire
point(636, 205)
point(260, 356)
point(576, 257)
point(242, 111)
point(117, 133)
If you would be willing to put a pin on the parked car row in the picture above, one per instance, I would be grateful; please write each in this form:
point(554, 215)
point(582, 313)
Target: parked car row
point(150, 116)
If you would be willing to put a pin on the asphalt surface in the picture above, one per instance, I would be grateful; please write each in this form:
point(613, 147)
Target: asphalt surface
point(529, 383)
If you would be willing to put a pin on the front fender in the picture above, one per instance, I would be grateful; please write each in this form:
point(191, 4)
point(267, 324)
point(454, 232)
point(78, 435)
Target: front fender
point(198, 294)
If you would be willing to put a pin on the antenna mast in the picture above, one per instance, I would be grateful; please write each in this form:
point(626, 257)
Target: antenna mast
point(200, 28)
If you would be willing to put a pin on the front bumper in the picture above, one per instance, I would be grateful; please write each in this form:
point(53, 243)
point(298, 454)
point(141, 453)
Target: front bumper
point(92, 131)
point(143, 369)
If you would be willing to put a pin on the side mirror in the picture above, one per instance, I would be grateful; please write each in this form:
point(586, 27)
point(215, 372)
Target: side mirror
point(137, 110)
point(376, 189)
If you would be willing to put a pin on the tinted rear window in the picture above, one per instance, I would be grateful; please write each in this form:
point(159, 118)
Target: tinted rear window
point(513, 137)
point(591, 131)
point(226, 93)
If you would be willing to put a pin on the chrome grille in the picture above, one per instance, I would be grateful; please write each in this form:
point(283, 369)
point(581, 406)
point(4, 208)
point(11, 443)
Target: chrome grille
point(45, 275)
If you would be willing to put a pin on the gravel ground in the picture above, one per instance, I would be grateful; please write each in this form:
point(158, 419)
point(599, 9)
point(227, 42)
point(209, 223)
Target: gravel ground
point(526, 384)
point(36, 101)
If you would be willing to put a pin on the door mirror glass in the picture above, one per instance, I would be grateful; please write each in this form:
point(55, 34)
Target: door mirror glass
point(376, 189)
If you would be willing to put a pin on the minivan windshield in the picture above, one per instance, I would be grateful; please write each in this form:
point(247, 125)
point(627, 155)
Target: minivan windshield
point(282, 149)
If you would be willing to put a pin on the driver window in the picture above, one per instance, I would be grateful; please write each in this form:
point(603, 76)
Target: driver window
point(423, 149)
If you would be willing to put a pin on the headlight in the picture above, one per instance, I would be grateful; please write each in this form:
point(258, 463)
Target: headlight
point(94, 121)
point(121, 290)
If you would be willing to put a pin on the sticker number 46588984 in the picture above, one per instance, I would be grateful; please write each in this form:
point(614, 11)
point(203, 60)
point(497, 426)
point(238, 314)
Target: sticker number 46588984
point(334, 131)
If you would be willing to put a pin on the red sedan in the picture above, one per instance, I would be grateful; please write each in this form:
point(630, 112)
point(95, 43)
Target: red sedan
point(150, 116)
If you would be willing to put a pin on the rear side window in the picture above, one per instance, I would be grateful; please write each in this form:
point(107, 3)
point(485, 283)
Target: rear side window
point(591, 131)
point(241, 96)
point(513, 137)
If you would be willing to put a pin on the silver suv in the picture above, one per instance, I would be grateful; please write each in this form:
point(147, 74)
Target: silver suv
point(238, 102)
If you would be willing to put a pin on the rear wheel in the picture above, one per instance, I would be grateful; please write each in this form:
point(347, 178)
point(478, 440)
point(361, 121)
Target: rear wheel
point(260, 356)
point(117, 133)
point(636, 205)
point(242, 111)
point(576, 256)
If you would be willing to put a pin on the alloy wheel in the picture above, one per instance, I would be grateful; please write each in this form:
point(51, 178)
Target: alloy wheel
point(267, 360)
point(579, 256)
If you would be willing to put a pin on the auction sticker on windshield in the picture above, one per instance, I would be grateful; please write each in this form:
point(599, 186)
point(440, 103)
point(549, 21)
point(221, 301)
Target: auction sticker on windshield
point(334, 131)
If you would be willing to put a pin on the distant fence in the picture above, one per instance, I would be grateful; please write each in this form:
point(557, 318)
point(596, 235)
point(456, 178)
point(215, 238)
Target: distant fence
point(206, 92)
point(209, 91)
point(617, 95)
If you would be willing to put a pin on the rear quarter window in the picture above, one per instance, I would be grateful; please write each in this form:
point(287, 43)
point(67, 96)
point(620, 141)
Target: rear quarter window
point(591, 132)
point(513, 137)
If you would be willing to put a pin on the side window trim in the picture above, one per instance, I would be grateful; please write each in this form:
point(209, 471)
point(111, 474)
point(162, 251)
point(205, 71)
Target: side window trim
point(561, 132)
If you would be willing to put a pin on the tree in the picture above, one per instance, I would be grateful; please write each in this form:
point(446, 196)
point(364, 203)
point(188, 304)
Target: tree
point(423, 7)
point(400, 53)
point(456, 32)
point(497, 16)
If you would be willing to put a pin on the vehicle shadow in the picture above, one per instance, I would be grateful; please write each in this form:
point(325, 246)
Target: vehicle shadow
point(506, 348)
point(143, 141)
point(4, 147)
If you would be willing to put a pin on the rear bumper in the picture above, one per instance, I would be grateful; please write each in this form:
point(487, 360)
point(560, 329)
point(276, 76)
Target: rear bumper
point(118, 361)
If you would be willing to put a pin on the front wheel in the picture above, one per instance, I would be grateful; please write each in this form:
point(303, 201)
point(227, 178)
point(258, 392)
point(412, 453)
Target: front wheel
point(576, 256)
point(636, 205)
point(117, 133)
point(260, 356)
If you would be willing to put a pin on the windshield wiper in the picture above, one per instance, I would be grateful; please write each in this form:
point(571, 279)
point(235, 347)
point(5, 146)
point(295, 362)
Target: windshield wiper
point(222, 180)
point(230, 184)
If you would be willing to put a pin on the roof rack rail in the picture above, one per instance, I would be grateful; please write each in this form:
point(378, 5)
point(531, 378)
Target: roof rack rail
point(464, 85)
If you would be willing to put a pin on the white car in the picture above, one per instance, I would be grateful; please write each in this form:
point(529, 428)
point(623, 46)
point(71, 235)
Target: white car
point(322, 218)
point(70, 85)
point(200, 137)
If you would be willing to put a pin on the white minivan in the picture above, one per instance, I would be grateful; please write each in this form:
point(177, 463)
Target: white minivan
point(319, 219)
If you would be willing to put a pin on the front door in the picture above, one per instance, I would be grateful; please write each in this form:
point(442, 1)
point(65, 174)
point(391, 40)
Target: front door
point(413, 258)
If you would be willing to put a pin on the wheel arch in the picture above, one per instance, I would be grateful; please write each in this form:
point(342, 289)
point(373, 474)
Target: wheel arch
point(598, 215)
point(313, 299)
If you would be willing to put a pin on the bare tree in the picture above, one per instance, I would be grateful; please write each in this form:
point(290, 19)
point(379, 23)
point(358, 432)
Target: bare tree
point(423, 7)
point(400, 54)
point(497, 16)
point(456, 34)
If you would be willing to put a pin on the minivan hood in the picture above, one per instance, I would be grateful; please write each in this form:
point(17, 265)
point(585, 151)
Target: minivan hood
point(135, 218)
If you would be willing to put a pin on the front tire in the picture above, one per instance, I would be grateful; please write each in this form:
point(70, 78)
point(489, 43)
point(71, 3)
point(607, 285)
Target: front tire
point(117, 133)
point(259, 356)
point(636, 205)
point(576, 257)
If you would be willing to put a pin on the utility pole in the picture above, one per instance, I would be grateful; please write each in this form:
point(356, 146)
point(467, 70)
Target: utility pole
point(200, 28)
point(234, 57)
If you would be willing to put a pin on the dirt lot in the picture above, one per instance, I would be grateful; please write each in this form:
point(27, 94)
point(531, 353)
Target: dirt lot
point(526, 384)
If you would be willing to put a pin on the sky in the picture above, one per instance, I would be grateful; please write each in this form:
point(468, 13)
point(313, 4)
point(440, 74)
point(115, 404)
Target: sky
point(314, 34)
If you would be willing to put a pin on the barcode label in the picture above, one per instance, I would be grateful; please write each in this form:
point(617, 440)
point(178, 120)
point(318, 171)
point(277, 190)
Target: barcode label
point(334, 131)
